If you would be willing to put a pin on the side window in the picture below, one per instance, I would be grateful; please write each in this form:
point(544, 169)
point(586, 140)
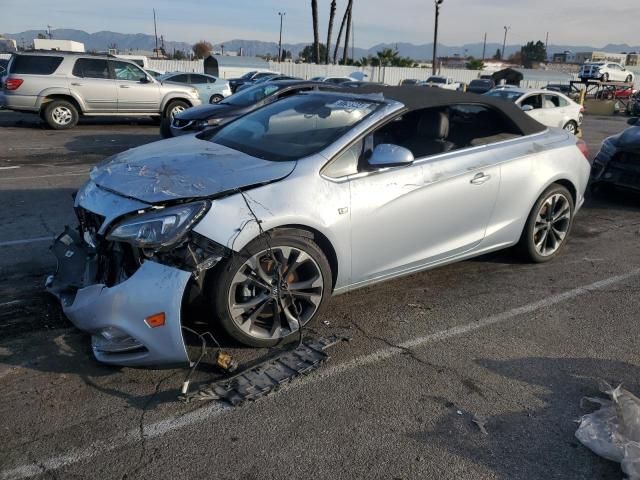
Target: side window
point(551, 101)
point(91, 68)
point(182, 78)
point(126, 71)
point(35, 64)
point(534, 100)
point(346, 163)
point(198, 79)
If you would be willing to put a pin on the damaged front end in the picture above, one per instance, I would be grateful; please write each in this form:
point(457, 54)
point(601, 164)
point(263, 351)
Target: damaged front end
point(618, 161)
point(123, 273)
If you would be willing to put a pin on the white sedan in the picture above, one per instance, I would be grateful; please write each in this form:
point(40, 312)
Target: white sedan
point(550, 108)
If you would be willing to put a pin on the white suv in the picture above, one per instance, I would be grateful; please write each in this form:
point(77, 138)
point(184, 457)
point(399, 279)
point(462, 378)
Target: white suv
point(605, 72)
point(61, 86)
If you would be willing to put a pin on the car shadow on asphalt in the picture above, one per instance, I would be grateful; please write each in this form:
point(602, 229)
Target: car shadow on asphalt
point(33, 121)
point(530, 441)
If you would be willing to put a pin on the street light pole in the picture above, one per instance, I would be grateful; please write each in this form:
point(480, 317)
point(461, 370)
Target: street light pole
point(282, 14)
point(435, 36)
point(504, 44)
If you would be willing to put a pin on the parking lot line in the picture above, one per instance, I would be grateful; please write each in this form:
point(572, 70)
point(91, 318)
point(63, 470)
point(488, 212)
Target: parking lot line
point(212, 410)
point(71, 174)
point(25, 241)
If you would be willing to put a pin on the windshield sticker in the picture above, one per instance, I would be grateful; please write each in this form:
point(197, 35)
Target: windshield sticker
point(350, 105)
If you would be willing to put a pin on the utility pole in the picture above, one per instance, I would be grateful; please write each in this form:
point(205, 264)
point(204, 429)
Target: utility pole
point(49, 34)
point(504, 44)
point(282, 14)
point(155, 31)
point(484, 47)
point(546, 47)
point(353, 36)
point(435, 37)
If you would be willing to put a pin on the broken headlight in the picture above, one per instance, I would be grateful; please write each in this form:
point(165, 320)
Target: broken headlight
point(159, 228)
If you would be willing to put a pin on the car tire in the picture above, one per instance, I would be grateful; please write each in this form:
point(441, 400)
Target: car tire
point(242, 279)
point(548, 226)
point(216, 98)
point(165, 128)
point(174, 107)
point(61, 114)
point(571, 127)
point(605, 77)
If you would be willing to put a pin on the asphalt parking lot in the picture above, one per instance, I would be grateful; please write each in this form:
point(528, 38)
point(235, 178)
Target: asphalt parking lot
point(492, 341)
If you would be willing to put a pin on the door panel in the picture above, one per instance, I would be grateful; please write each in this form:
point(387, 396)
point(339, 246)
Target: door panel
point(408, 217)
point(133, 95)
point(93, 83)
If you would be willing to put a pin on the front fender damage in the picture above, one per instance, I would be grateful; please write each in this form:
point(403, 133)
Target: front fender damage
point(115, 307)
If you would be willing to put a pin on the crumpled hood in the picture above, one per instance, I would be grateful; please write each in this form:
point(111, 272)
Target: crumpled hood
point(630, 139)
point(184, 167)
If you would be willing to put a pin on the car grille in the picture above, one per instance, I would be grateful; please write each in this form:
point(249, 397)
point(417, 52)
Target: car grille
point(115, 261)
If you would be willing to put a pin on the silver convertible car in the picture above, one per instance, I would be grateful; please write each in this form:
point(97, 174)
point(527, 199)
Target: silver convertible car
point(314, 195)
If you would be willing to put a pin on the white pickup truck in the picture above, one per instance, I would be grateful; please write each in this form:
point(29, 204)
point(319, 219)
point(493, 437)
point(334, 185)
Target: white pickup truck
point(442, 82)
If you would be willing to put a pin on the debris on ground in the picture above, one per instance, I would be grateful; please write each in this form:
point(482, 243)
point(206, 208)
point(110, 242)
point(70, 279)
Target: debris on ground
point(260, 380)
point(613, 431)
point(481, 422)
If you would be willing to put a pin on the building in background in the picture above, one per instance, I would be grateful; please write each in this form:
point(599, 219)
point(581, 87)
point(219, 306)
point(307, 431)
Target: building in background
point(564, 57)
point(7, 45)
point(582, 57)
point(62, 45)
point(633, 59)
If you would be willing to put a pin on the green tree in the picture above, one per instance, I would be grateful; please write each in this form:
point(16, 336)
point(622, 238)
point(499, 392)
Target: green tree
point(307, 53)
point(475, 64)
point(179, 55)
point(41, 36)
point(498, 55)
point(387, 57)
point(202, 49)
point(533, 52)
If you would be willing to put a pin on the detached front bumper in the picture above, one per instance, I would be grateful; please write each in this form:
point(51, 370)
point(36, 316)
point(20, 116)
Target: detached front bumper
point(116, 316)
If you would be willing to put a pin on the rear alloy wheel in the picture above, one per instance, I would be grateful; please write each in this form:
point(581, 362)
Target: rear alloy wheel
point(216, 98)
point(571, 127)
point(548, 225)
point(262, 295)
point(61, 114)
point(174, 108)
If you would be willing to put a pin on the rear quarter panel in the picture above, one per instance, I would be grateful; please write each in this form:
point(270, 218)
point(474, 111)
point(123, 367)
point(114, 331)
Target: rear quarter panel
point(529, 168)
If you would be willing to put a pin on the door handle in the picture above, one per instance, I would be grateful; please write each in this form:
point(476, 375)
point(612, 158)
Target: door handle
point(76, 84)
point(124, 86)
point(480, 178)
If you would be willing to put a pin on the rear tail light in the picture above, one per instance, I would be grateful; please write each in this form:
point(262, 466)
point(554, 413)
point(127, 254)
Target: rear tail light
point(13, 83)
point(582, 146)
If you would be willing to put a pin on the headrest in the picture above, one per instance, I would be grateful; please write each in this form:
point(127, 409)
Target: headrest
point(434, 124)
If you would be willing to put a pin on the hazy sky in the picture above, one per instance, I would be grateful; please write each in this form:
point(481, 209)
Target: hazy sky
point(577, 22)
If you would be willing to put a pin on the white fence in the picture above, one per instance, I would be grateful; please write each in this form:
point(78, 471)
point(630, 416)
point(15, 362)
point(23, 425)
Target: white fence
point(389, 75)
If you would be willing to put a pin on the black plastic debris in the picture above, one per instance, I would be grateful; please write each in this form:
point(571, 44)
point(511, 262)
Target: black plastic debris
point(262, 379)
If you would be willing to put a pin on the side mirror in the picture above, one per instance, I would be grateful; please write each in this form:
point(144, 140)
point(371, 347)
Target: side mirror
point(387, 155)
point(526, 108)
point(633, 121)
point(145, 80)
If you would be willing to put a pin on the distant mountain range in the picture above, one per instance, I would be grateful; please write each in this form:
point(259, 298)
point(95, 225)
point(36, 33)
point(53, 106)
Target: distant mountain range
point(140, 41)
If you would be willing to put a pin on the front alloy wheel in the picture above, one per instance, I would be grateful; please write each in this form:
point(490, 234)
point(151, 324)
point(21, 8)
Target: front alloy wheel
point(264, 294)
point(548, 225)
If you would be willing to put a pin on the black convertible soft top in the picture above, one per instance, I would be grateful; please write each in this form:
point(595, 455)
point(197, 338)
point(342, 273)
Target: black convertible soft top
point(420, 97)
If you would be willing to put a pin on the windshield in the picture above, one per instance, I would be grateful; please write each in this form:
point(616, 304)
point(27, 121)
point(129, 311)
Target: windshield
point(436, 80)
point(479, 82)
point(248, 75)
point(251, 95)
point(505, 94)
point(295, 127)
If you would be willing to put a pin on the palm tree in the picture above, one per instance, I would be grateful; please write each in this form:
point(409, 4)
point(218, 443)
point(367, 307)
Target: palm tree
point(344, 20)
point(332, 16)
point(347, 36)
point(387, 57)
point(316, 38)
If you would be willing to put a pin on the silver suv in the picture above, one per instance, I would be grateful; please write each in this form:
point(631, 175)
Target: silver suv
point(61, 86)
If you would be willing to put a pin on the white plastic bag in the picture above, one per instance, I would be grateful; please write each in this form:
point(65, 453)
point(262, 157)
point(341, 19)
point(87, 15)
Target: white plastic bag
point(613, 431)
